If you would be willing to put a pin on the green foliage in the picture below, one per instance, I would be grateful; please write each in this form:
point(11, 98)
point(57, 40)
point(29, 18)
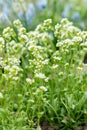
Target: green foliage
point(42, 76)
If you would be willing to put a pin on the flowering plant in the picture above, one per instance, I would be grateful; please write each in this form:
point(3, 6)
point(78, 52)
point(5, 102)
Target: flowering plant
point(43, 76)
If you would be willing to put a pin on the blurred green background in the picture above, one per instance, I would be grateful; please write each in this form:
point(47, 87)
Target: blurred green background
point(33, 12)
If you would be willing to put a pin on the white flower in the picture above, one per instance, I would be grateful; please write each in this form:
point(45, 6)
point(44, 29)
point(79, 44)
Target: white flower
point(45, 62)
point(65, 21)
point(7, 30)
point(43, 88)
point(23, 38)
point(84, 44)
point(2, 41)
point(39, 28)
point(61, 73)
point(79, 68)
point(29, 81)
point(57, 58)
point(46, 79)
point(17, 23)
point(1, 95)
point(15, 78)
point(47, 22)
point(40, 76)
point(55, 66)
point(22, 30)
point(77, 39)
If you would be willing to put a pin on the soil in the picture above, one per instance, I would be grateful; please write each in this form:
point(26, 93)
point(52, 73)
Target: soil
point(46, 126)
point(84, 127)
